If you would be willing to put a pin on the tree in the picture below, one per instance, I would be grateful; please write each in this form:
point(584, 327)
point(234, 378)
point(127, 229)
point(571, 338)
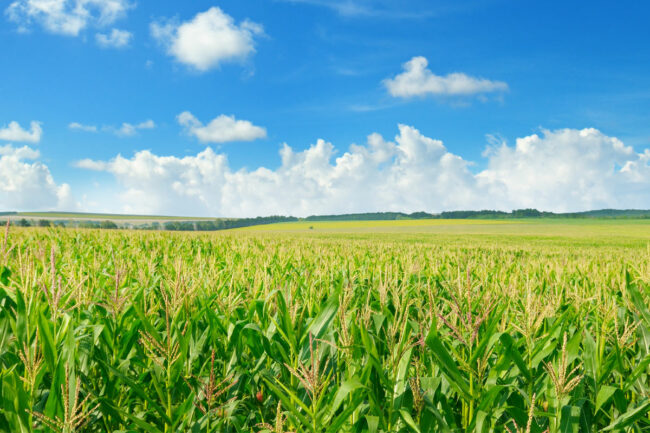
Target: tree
point(23, 223)
point(109, 225)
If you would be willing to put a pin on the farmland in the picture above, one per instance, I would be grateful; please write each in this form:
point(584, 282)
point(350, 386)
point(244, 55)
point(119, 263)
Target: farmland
point(364, 326)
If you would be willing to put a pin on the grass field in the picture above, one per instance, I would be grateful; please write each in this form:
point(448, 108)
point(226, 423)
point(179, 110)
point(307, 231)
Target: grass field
point(375, 326)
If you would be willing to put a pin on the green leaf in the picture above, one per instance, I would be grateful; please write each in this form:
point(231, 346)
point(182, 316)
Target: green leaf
point(629, 417)
point(342, 418)
point(639, 303)
point(401, 380)
point(47, 342)
point(320, 323)
point(512, 352)
point(570, 419)
point(606, 392)
point(638, 371)
point(409, 420)
point(134, 386)
point(481, 417)
point(344, 390)
point(288, 402)
point(373, 423)
point(142, 424)
point(447, 364)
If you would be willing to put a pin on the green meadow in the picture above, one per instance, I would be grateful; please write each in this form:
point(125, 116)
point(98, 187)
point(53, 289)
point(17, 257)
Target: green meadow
point(535, 325)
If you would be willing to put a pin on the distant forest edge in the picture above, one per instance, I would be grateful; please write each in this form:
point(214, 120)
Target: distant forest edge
point(111, 221)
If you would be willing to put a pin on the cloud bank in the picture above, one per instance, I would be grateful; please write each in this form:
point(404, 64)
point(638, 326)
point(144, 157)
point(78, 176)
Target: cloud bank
point(66, 17)
point(562, 170)
point(207, 40)
point(27, 184)
point(418, 80)
point(221, 129)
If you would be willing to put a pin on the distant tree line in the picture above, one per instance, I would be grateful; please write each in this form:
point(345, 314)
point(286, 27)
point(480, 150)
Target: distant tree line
point(180, 225)
point(231, 223)
point(534, 213)
point(224, 224)
point(491, 214)
point(480, 214)
point(24, 222)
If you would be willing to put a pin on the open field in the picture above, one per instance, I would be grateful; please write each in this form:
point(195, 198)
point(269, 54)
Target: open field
point(639, 228)
point(596, 232)
point(373, 326)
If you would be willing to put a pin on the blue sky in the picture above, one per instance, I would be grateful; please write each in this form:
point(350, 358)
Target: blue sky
point(464, 79)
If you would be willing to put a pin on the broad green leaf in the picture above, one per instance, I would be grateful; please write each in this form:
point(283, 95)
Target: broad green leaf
point(630, 417)
point(447, 364)
point(604, 394)
point(409, 421)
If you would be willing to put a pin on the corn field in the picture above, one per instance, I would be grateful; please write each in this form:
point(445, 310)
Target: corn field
point(253, 332)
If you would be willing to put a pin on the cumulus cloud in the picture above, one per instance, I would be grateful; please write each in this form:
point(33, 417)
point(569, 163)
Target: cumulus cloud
point(564, 170)
point(14, 132)
point(27, 184)
point(115, 39)
point(66, 17)
point(418, 80)
point(567, 170)
point(81, 127)
point(221, 129)
point(209, 39)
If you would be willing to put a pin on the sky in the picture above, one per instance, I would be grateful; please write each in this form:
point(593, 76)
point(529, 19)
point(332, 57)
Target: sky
point(242, 108)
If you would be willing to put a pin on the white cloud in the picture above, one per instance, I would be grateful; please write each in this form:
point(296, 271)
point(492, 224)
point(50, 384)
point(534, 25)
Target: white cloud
point(564, 170)
point(89, 164)
point(14, 132)
point(128, 129)
point(125, 130)
point(81, 127)
point(210, 38)
point(221, 129)
point(115, 39)
point(417, 80)
point(26, 184)
point(567, 170)
point(66, 17)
